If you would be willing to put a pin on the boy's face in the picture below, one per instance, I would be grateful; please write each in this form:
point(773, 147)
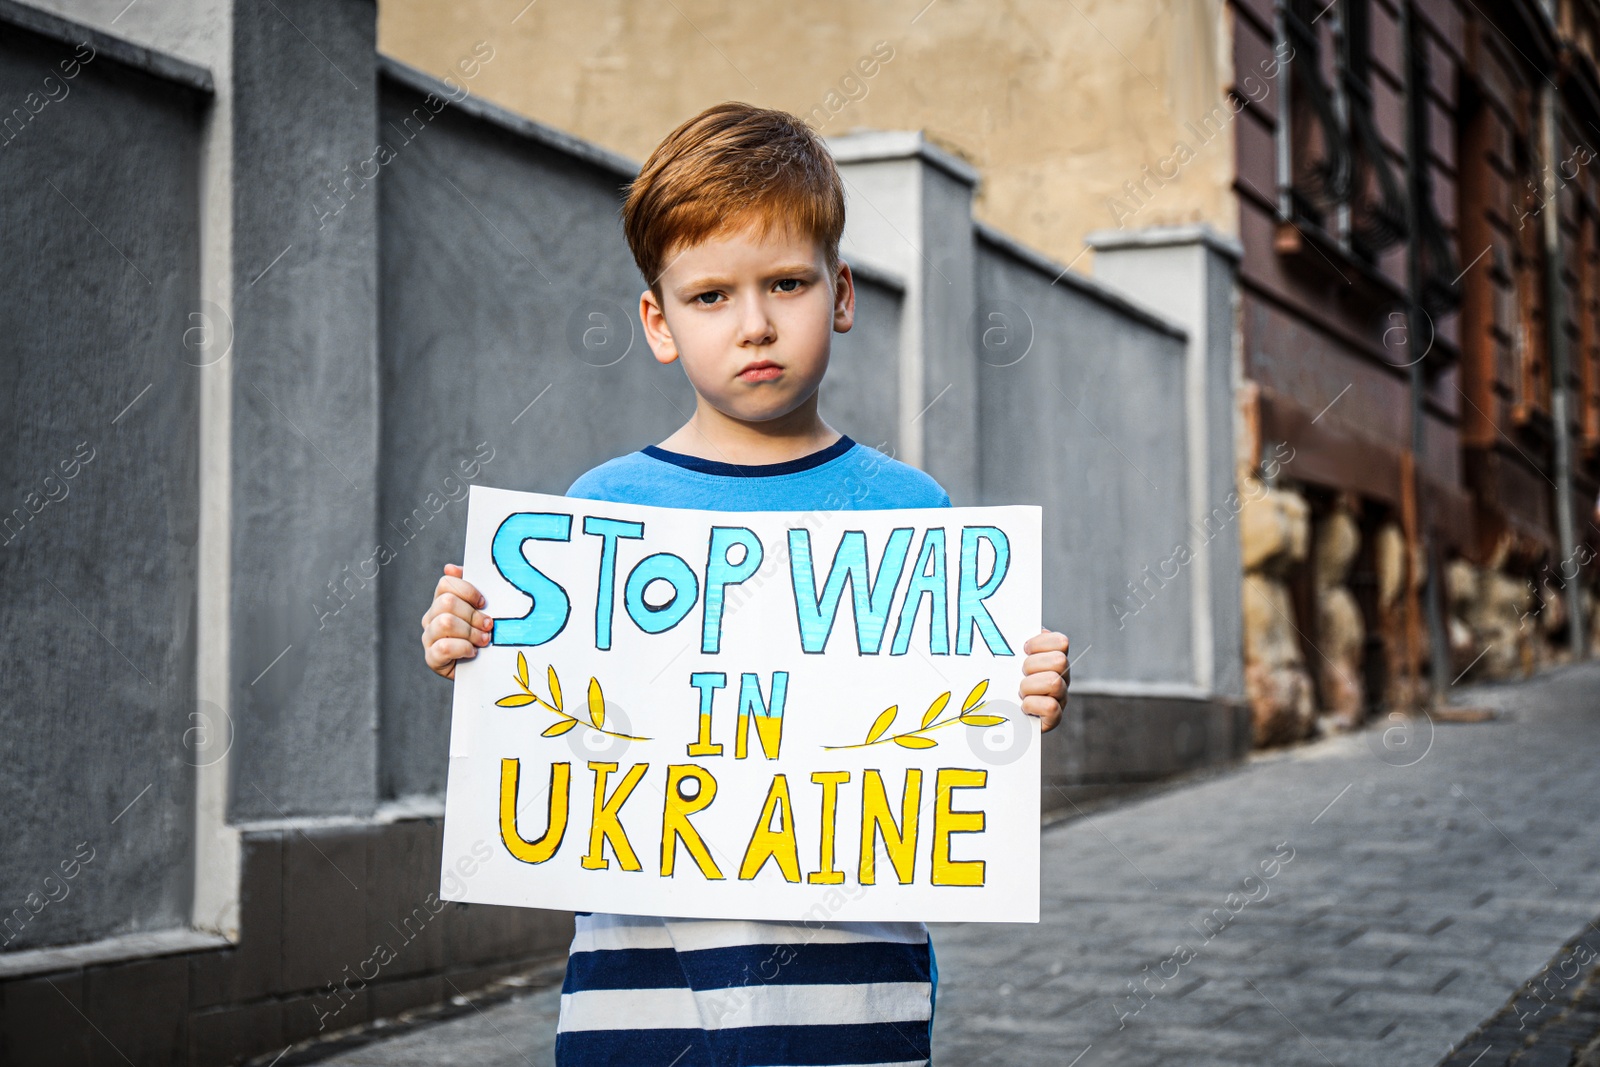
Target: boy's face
point(751, 318)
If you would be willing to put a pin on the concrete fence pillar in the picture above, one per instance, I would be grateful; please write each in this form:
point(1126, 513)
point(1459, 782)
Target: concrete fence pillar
point(1187, 274)
point(910, 211)
point(304, 464)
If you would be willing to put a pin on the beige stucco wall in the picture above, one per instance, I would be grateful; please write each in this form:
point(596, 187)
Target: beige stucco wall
point(1056, 102)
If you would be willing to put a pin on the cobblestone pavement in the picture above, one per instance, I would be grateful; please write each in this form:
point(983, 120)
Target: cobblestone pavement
point(1553, 1021)
point(1364, 900)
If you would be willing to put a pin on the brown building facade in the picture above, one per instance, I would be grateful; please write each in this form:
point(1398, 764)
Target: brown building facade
point(1418, 321)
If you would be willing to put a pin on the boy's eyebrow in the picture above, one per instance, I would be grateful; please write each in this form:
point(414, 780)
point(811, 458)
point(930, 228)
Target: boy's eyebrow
point(706, 281)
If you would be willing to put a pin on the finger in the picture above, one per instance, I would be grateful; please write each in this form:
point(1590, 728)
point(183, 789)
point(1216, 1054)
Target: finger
point(444, 626)
point(1045, 661)
point(1047, 711)
point(1046, 641)
point(461, 588)
point(1046, 684)
point(448, 603)
point(454, 605)
point(453, 570)
point(441, 654)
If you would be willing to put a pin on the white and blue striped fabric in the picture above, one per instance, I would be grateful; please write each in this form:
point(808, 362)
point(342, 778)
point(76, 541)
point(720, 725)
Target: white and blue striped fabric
point(643, 990)
point(647, 991)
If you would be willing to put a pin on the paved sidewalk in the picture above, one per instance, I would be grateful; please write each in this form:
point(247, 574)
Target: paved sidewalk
point(1553, 1021)
point(1411, 884)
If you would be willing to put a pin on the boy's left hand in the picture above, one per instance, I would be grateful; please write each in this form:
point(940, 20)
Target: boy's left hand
point(1045, 677)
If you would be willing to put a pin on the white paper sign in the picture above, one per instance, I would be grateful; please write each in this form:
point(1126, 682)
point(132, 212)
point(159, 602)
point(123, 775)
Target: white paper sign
point(705, 714)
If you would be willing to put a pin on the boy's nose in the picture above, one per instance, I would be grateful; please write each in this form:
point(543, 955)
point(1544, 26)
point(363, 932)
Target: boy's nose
point(755, 326)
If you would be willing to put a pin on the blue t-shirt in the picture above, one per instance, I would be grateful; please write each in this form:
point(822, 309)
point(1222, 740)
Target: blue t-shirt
point(721, 992)
point(843, 476)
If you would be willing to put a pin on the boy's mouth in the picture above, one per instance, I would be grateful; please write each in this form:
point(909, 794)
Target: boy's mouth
point(760, 371)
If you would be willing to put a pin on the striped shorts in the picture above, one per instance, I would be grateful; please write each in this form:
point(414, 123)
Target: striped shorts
point(656, 992)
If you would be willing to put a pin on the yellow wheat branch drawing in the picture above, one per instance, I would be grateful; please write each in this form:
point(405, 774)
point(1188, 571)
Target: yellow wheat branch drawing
point(878, 732)
point(597, 704)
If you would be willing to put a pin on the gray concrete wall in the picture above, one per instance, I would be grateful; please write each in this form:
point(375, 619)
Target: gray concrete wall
point(98, 491)
point(510, 329)
point(316, 902)
point(1081, 411)
point(191, 31)
point(861, 393)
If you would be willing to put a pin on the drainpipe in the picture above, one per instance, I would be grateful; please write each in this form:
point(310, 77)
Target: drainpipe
point(1560, 394)
point(1417, 327)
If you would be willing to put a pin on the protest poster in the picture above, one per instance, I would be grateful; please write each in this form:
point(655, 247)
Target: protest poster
point(756, 715)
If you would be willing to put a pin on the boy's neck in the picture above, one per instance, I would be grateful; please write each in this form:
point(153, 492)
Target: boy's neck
point(710, 434)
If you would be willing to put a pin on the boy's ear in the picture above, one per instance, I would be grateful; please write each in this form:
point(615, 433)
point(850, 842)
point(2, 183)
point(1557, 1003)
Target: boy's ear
point(844, 299)
point(656, 331)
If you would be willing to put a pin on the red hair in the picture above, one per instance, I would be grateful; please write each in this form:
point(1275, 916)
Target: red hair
point(731, 163)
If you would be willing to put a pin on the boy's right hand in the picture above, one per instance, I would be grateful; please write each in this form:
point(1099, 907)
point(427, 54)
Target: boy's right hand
point(453, 628)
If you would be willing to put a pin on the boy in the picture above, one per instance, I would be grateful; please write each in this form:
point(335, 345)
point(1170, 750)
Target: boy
point(736, 218)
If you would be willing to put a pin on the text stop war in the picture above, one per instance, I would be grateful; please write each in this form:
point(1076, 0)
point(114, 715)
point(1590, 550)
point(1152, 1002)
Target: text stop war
point(734, 554)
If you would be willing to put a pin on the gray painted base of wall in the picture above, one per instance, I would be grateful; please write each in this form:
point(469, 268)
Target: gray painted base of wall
point(1117, 741)
point(315, 906)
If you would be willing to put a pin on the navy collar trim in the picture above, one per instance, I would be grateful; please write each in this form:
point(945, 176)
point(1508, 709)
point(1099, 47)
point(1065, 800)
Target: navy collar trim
point(752, 470)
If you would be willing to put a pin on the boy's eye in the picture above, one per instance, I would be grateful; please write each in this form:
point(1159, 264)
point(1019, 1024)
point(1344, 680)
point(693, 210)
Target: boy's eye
point(796, 282)
point(701, 298)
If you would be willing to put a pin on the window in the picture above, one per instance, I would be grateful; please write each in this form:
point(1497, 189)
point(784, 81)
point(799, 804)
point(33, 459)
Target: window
point(1336, 173)
point(1339, 177)
point(1530, 377)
